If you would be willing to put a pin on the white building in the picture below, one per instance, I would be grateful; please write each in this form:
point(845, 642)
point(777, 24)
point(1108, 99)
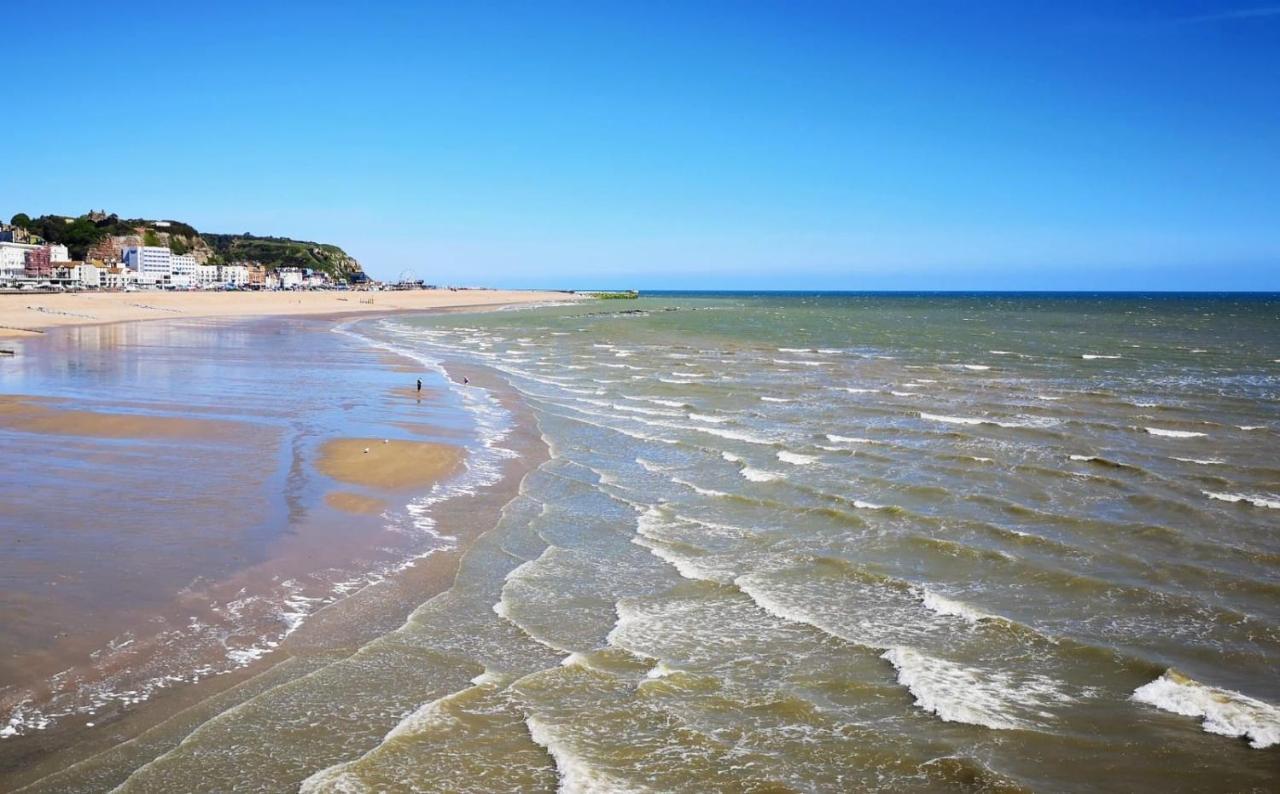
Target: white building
point(290, 277)
point(118, 278)
point(207, 276)
point(234, 275)
point(13, 259)
point(183, 270)
point(82, 274)
point(152, 263)
point(58, 253)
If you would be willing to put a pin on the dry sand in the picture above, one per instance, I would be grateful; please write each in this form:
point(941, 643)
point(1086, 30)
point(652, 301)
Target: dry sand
point(393, 464)
point(35, 415)
point(22, 314)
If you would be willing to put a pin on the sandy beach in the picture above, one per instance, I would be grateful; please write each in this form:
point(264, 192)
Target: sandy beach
point(232, 500)
point(28, 314)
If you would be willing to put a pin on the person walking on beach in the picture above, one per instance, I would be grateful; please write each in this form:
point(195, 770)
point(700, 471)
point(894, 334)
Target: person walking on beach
point(419, 385)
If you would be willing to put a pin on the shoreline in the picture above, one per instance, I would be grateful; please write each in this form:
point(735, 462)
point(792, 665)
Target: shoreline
point(26, 316)
point(339, 627)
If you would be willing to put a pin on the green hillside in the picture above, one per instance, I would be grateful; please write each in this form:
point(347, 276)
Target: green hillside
point(277, 252)
point(81, 233)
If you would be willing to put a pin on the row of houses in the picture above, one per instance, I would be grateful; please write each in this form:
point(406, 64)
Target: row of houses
point(142, 267)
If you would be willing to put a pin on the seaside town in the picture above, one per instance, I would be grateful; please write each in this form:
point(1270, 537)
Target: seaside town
point(149, 258)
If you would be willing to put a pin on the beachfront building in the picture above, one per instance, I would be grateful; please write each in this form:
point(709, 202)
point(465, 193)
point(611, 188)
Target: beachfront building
point(257, 276)
point(38, 262)
point(152, 263)
point(182, 271)
point(58, 253)
point(13, 259)
point(78, 274)
point(289, 277)
point(234, 275)
point(118, 278)
point(207, 276)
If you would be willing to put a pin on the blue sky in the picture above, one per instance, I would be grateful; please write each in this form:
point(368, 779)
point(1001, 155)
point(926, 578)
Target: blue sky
point(800, 145)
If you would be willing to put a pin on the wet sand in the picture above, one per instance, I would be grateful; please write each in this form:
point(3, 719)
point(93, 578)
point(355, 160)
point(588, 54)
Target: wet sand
point(27, 314)
point(187, 519)
point(41, 415)
point(354, 503)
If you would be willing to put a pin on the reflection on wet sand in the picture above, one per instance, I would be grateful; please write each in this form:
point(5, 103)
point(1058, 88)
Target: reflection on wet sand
point(354, 503)
point(151, 559)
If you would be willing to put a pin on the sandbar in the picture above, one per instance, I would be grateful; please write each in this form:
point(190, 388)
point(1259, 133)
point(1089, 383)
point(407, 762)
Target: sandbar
point(29, 415)
point(391, 464)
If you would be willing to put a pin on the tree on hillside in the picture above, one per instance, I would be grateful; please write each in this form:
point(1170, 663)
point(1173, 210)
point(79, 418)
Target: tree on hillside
point(22, 219)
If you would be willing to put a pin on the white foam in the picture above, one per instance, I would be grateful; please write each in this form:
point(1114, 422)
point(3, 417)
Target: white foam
point(776, 400)
point(1202, 461)
point(729, 456)
point(835, 439)
point(953, 420)
point(656, 401)
point(1002, 352)
point(661, 670)
point(942, 605)
point(970, 420)
point(1092, 356)
point(976, 367)
point(1257, 501)
point(955, 693)
point(575, 659)
point(796, 459)
point(577, 776)
point(698, 488)
point(635, 409)
point(1224, 712)
point(653, 468)
point(487, 678)
point(861, 505)
point(1156, 431)
point(905, 393)
point(735, 435)
point(715, 420)
point(853, 390)
point(1252, 427)
point(759, 475)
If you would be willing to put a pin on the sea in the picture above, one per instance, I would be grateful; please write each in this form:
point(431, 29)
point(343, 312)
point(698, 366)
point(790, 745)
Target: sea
point(828, 542)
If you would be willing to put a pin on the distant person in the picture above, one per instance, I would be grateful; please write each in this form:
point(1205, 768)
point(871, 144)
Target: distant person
point(419, 385)
point(465, 381)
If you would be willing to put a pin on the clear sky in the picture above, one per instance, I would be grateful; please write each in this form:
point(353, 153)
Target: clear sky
point(938, 144)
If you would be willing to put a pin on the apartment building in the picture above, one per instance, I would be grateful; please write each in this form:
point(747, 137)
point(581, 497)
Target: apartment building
point(13, 259)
